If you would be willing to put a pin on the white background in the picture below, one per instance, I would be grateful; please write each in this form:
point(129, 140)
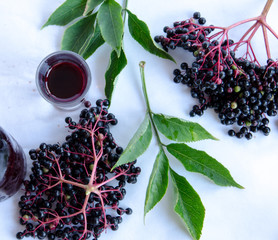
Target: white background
point(231, 213)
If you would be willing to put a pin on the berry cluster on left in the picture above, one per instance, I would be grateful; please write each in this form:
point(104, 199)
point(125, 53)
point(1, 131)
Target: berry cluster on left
point(72, 192)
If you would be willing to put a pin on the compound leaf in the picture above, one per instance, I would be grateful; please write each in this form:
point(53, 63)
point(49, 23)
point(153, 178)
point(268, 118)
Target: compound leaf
point(199, 161)
point(78, 34)
point(141, 33)
point(91, 5)
point(92, 44)
point(179, 130)
point(67, 12)
point(111, 24)
point(188, 205)
point(138, 143)
point(158, 181)
point(116, 65)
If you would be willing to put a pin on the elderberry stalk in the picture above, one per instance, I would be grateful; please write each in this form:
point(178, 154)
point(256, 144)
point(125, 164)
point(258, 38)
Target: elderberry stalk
point(72, 192)
point(240, 90)
point(188, 204)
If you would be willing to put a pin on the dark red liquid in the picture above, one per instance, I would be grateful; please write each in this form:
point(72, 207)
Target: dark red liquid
point(12, 166)
point(65, 80)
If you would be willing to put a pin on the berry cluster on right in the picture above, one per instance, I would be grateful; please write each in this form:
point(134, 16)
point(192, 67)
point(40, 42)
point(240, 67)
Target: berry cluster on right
point(240, 90)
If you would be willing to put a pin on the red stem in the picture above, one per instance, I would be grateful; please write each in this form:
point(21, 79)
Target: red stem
point(266, 42)
point(267, 7)
point(243, 37)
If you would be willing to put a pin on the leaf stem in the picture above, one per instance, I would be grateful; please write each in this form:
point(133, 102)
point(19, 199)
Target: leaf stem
point(149, 111)
point(124, 7)
point(142, 72)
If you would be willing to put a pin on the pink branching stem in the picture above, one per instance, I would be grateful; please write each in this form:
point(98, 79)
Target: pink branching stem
point(74, 179)
point(94, 153)
point(266, 41)
point(260, 21)
point(56, 176)
point(241, 22)
point(249, 46)
point(58, 165)
point(248, 31)
point(216, 34)
point(244, 36)
point(32, 199)
point(82, 154)
point(109, 180)
point(74, 183)
point(253, 53)
point(271, 30)
point(83, 211)
point(102, 205)
point(93, 175)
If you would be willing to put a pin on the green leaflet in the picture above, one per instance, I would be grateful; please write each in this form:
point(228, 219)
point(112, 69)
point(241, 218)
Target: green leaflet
point(138, 144)
point(188, 205)
point(67, 12)
point(158, 181)
point(92, 44)
point(179, 130)
point(141, 33)
point(116, 65)
point(78, 34)
point(91, 5)
point(111, 24)
point(199, 161)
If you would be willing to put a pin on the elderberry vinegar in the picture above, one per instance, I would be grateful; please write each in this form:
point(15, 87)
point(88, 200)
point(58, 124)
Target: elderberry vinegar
point(12, 165)
point(63, 78)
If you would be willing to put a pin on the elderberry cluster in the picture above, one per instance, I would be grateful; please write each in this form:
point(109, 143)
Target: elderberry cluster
point(72, 192)
point(240, 91)
point(185, 34)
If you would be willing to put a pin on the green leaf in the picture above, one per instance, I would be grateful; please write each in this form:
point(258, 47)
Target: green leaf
point(158, 181)
point(179, 130)
point(116, 65)
point(199, 161)
point(78, 34)
point(188, 205)
point(67, 12)
point(138, 144)
point(92, 44)
point(91, 5)
point(141, 33)
point(111, 24)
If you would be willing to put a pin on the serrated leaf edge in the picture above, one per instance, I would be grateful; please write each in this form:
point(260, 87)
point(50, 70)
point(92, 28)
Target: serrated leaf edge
point(169, 57)
point(47, 22)
point(235, 185)
point(109, 94)
point(116, 48)
point(88, 37)
point(177, 200)
point(144, 126)
point(151, 180)
point(191, 131)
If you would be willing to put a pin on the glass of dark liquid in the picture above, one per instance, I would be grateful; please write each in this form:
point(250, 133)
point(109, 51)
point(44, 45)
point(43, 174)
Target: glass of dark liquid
point(12, 165)
point(63, 78)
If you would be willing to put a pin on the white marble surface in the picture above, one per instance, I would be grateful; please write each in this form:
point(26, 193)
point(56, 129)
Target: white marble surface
point(231, 214)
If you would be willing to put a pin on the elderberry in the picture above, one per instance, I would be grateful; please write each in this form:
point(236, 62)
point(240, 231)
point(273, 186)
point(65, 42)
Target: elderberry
point(240, 91)
point(73, 184)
